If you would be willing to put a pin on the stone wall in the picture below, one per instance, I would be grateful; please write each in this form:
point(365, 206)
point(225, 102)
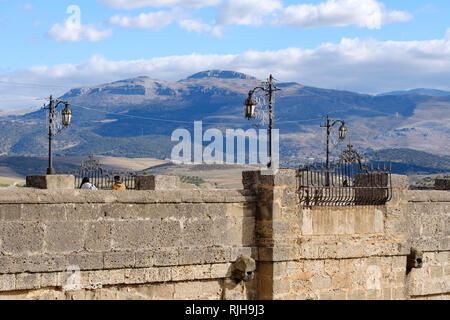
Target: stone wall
point(355, 252)
point(129, 244)
point(429, 230)
point(181, 244)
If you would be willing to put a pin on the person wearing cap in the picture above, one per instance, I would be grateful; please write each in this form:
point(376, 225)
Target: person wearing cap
point(118, 185)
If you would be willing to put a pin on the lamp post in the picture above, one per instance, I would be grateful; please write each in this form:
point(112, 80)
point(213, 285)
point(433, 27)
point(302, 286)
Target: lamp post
point(66, 120)
point(330, 123)
point(250, 109)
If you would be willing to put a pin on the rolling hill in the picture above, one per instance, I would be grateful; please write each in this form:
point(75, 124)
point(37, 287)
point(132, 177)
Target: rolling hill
point(136, 117)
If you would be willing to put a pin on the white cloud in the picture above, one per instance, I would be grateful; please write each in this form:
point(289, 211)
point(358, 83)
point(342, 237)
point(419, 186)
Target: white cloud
point(371, 14)
point(364, 13)
point(247, 12)
point(200, 27)
point(73, 32)
point(353, 64)
point(151, 20)
point(134, 4)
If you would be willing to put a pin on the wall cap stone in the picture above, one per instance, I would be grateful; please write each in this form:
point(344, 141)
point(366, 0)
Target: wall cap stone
point(157, 182)
point(38, 196)
point(51, 182)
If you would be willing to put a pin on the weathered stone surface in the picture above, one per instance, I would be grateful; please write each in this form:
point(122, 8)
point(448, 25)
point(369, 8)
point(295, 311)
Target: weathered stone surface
point(442, 184)
point(119, 260)
point(25, 281)
point(21, 237)
point(154, 244)
point(400, 181)
point(7, 282)
point(153, 182)
point(64, 237)
point(51, 182)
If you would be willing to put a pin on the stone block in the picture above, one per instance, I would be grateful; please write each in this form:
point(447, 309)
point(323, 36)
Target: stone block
point(98, 237)
point(116, 276)
point(290, 197)
point(217, 255)
point(11, 212)
point(157, 182)
point(190, 256)
point(64, 237)
point(51, 182)
point(135, 276)
point(197, 232)
point(85, 261)
point(400, 181)
point(84, 211)
point(165, 257)
point(276, 254)
point(49, 280)
point(119, 260)
point(28, 281)
point(21, 238)
point(220, 271)
point(442, 184)
point(184, 273)
point(7, 282)
point(133, 235)
point(250, 180)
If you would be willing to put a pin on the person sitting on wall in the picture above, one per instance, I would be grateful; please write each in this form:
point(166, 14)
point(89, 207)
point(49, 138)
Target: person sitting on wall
point(87, 185)
point(118, 185)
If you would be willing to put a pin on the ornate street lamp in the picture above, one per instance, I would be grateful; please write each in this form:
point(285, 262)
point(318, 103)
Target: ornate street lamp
point(66, 116)
point(330, 123)
point(54, 128)
point(250, 106)
point(268, 89)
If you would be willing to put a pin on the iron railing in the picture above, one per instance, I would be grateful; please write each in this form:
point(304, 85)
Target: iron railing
point(344, 184)
point(101, 178)
point(104, 179)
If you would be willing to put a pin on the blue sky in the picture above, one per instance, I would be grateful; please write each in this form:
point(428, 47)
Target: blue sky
point(368, 46)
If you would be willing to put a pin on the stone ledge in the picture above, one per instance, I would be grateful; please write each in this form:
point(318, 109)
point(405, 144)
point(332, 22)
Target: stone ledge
point(36, 196)
point(100, 278)
point(428, 196)
point(323, 248)
point(123, 259)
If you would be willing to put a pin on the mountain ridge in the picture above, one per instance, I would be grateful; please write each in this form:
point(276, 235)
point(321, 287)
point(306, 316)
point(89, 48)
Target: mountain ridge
point(118, 118)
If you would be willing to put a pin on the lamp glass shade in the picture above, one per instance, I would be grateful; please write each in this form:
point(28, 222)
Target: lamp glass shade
point(66, 116)
point(343, 132)
point(250, 107)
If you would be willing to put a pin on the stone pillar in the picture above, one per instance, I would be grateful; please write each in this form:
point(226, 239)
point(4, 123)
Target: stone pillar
point(51, 182)
point(327, 252)
point(152, 182)
point(278, 226)
point(442, 184)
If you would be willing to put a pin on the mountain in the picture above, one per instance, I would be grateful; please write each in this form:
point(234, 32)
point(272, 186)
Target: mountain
point(420, 91)
point(136, 118)
point(407, 161)
point(221, 75)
